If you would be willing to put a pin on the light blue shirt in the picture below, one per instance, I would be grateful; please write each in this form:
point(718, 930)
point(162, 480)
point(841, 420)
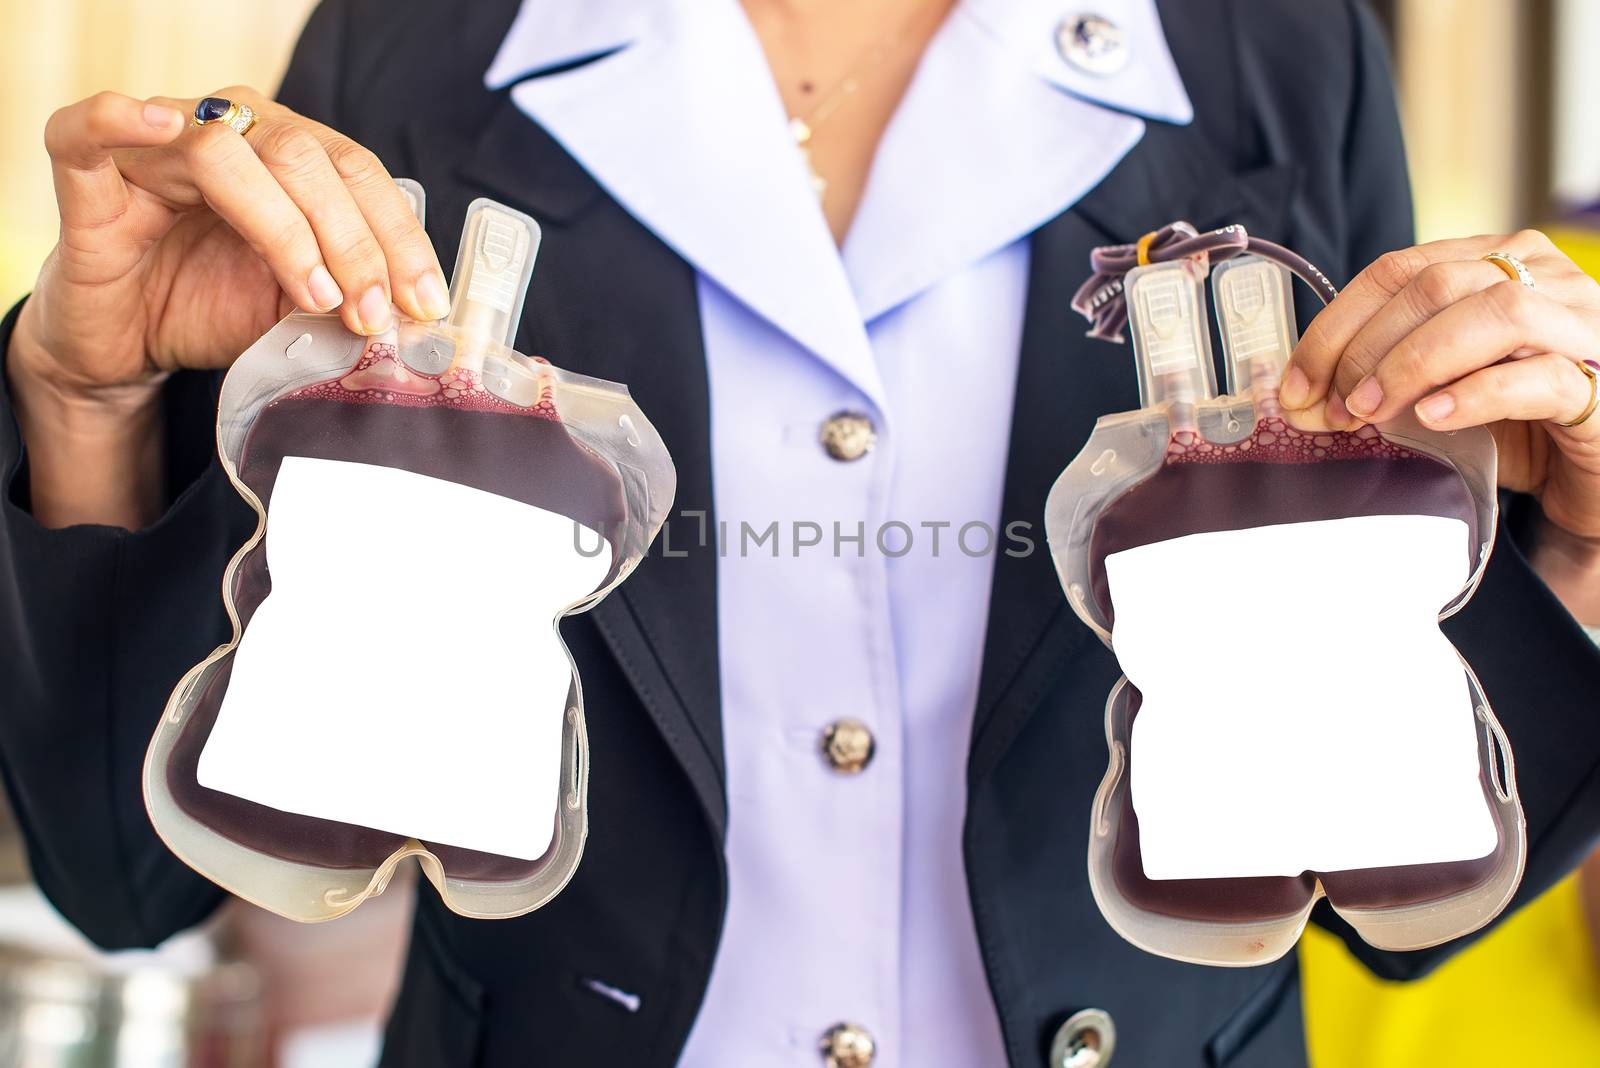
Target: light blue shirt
point(847, 894)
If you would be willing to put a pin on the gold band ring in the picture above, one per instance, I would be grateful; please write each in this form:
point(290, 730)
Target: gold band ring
point(230, 113)
point(1515, 269)
point(1587, 368)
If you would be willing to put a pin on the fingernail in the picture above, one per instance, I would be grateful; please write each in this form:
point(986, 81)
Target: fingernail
point(1296, 388)
point(324, 290)
point(373, 309)
point(431, 295)
point(1335, 413)
point(1435, 408)
point(161, 117)
point(1366, 397)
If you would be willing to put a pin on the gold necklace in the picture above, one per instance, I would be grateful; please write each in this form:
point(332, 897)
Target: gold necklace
point(802, 127)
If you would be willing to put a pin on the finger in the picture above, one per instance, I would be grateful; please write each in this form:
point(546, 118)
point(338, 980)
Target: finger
point(415, 278)
point(412, 276)
point(1311, 367)
point(164, 171)
point(1504, 320)
point(1550, 387)
point(295, 158)
point(238, 187)
point(81, 138)
point(1433, 289)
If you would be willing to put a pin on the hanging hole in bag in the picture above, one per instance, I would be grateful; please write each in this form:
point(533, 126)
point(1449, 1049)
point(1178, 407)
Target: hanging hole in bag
point(577, 759)
point(1103, 462)
point(626, 423)
point(297, 347)
point(432, 358)
point(1100, 819)
point(1499, 777)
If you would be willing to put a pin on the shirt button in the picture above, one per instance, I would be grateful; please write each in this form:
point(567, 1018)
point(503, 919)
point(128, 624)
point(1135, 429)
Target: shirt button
point(1092, 43)
point(1086, 1040)
point(848, 436)
point(848, 745)
point(847, 1045)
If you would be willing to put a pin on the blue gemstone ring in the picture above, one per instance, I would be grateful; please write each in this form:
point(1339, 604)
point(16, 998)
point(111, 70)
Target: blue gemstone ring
point(237, 117)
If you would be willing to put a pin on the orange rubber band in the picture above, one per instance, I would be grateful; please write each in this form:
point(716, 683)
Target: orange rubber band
point(1142, 248)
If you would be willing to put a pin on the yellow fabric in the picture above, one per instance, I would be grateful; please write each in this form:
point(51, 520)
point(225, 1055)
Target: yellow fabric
point(1527, 994)
point(1583, 245)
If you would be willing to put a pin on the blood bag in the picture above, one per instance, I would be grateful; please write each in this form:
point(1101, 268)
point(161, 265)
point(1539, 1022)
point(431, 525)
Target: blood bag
point(1269, 773)
point(432, 503)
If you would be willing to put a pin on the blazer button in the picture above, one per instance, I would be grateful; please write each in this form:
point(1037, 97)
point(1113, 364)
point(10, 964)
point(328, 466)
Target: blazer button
point(1086, 1040)
point(848, 745)
point(847, 1045)
point(848, 436)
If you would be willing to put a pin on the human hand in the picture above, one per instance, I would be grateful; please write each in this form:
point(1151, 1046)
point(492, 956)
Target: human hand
point(1440, 329)
point(182, 244)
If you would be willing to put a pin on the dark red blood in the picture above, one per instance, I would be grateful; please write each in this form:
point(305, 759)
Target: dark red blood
point(1281, 475)
point(472, 438)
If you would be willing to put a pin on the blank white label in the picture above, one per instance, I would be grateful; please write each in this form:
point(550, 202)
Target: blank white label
point(1302, 711)
point(405, 674)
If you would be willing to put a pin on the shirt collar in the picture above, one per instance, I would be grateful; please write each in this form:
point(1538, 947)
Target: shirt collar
point(700, 153)
point(681, 123)
point(546, 35)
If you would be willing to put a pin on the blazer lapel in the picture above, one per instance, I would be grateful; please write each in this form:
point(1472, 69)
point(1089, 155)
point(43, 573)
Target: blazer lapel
point(1066, 381)
point(610, 300)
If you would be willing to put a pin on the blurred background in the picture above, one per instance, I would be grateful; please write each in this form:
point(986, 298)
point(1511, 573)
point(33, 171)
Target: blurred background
point(1499, 102)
